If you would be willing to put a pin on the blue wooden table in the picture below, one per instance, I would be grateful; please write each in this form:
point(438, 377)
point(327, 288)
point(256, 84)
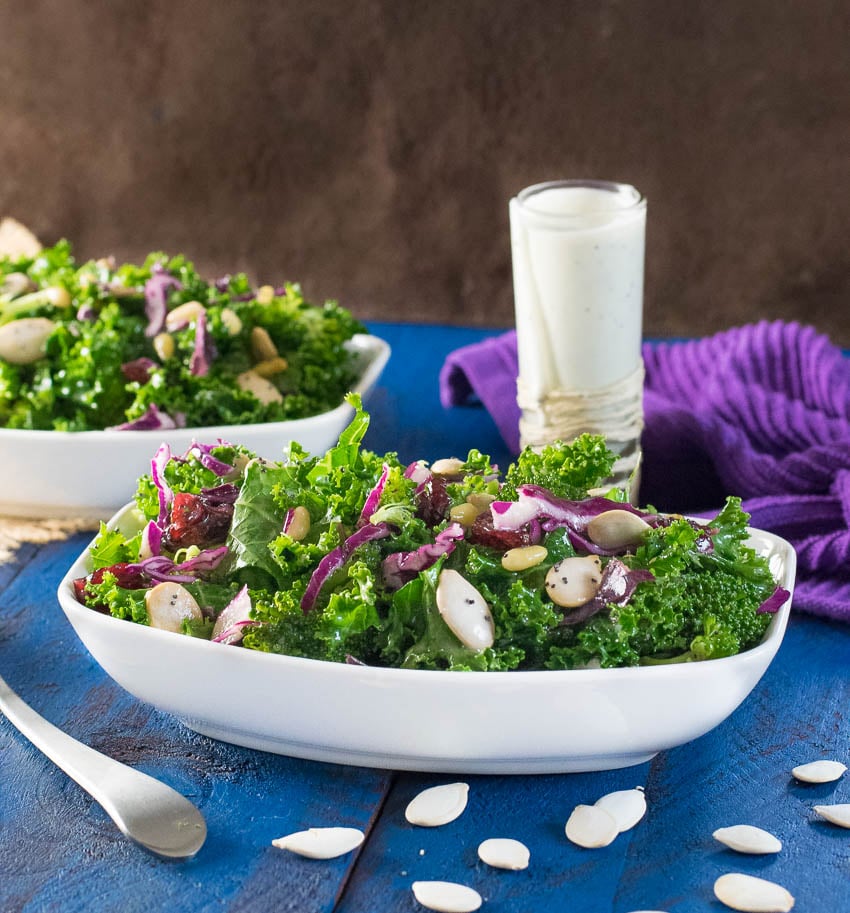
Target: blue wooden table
point(59, 851)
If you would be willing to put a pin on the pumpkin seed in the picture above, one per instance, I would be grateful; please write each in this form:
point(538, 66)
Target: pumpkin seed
point(504, 853)
point(446, 896)
point(231, 322)
point(262, 346)
point(835, 814)
point(748, 839)
point(616, 529)
point(752, 895)
point(164, 346)
point(321, 842)
point(450, 466)
point(480, 499)
point(265, 391)
point(524, 557)
point(625, 806)
point(591, 826)
point(466, 514)
point(437, 805)
point(183, 315)
point(819, 771)
point(271, 367)
point(297, 523)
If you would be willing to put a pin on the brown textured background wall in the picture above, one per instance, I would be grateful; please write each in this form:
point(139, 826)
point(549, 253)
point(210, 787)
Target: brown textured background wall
point(368, 149)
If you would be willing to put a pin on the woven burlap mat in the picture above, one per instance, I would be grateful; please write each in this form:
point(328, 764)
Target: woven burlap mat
point(15, 531)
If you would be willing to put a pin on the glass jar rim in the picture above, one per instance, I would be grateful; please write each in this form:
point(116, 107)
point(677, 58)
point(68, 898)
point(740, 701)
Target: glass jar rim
point(635, 199)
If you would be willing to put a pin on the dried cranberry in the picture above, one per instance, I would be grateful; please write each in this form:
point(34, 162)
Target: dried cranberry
point(432, 502)
point(127, 576)
point(196, 520)
point(483, 533)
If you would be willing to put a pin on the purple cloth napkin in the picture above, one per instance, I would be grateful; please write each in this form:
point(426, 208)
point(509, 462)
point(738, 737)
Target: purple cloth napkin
point(760, 411)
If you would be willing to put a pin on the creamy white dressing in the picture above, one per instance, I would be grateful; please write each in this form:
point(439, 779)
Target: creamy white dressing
point(578, 262)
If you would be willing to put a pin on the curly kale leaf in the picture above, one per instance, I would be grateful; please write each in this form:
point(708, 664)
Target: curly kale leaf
point(567, 470)
point(113, 547)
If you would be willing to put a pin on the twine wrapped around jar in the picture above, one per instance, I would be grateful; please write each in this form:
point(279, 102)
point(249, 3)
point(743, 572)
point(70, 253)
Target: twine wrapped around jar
point(615, 411)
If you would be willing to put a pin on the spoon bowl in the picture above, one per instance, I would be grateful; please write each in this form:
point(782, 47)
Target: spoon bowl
point(147, 811)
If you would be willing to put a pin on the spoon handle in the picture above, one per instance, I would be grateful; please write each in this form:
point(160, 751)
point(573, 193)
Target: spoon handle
point(145, 810)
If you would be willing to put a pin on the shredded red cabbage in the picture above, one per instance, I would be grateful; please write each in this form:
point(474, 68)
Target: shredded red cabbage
point(156, 300)
point(162, 569)
point(166, 495)
point(203, 454)
point(151, 540)
point(418, 472)
point(154, 419)
point(234, 634)
point(220, 494)
point(335, 559)
point(774, 602)
point(234, 618)
point(374, 497)
point(204, 352)
point(401, 567)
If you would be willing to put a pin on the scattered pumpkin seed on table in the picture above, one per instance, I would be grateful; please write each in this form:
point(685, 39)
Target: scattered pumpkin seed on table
point(504, 853)
point(749, 894)
point(819, 771)
point(835, 814)
point(321, 842)
point(626, 807)
point(446, 896)
point(591, 827)
point(748, 839)
point(437, 805)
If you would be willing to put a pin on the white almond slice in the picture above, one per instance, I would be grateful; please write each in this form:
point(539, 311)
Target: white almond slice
point(819, 771)
point(504, 853)
point(835, 814)
point(591, 827)
point(625, 806)
point(437, 805)
point(321, 842)
point(748, 839)
point(752, 895)
point(464, 610)
point(446, 896)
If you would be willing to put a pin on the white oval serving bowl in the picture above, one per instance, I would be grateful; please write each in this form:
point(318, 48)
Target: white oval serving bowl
point(405, 719)
point(86, 475)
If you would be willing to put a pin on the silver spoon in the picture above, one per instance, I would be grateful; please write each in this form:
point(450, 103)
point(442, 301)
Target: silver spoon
point(145, 810)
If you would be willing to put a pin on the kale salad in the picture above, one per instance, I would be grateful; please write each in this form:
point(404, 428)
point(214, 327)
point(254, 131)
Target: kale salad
point(154, 346)
point(356, 557)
